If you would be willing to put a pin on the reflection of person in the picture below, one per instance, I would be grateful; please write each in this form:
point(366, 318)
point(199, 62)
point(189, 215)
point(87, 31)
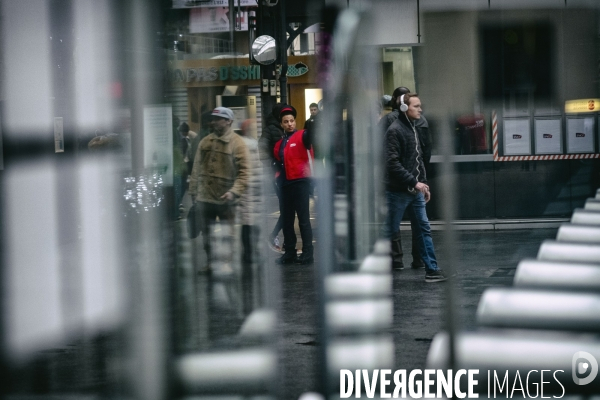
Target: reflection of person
point(249, 209)
point(218, 179)
point(406, 187)
point(314, 111)
point(183, 163)
point(384, 105)
point(271, 135)
point(185, 139)
point(205, 130)
point(422, 127)
point(295, 157)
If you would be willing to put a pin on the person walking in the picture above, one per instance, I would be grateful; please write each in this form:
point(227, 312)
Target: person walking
point(250, 202)
point(272, 133)
point(406, 185)
point(422, 127)
point(295, 156)
point(183, 165)
point(219, 178)
point(314, 111)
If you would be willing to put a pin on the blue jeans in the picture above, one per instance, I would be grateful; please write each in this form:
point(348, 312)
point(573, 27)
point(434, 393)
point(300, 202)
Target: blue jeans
point(398, 203)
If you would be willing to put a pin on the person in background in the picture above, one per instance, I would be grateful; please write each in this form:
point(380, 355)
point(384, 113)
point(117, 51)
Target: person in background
point(295, 157)
point(218, 179)
point(183, 164)
point(205, 130)
point(272, 133)
point(422, 127)
point(406, 184)
point(250, 202)
point(314, 111)
point(384, 105)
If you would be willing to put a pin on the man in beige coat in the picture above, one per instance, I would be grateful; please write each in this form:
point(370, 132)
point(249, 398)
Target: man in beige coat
point(219, 177)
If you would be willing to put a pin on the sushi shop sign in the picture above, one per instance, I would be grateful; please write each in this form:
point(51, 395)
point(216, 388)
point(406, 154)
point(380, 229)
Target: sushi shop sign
point(201, 73)
point(221, 73)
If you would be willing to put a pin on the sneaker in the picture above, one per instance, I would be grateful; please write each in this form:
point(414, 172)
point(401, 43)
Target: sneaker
point(417, 264)
point(274, 245)
point(397, 265)
point(288, 258)
point(305, 259)
point(435, 276)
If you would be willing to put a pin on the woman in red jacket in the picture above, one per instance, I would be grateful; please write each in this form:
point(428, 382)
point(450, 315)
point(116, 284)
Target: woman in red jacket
point(295, 156)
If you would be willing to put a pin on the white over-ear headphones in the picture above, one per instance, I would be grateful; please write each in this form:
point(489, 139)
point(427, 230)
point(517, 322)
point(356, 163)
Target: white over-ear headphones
point(403, 106)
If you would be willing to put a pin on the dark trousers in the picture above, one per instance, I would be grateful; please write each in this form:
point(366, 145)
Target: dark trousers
point(397, 252)
point(180, 185)
point(226, 215)
point(296, 202)
point(250, 234)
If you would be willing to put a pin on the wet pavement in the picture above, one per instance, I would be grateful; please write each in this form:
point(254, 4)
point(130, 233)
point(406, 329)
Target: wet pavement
point(484, 259)
point(208, 311)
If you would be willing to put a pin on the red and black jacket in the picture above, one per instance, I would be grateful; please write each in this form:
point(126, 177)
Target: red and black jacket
point(296, 161)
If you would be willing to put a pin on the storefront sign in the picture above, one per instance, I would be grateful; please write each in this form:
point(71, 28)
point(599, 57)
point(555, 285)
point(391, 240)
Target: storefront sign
point(236, 71)
point(214, 74)
point(548, 136)
point(580, 135)
point(582, 106)
point(517, 136)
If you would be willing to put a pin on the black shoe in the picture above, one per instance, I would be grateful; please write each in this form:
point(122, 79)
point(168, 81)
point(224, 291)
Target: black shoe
point(305, 258)
point(398, 265)
point(434, 276)
point(417, 264)
point(287, 258)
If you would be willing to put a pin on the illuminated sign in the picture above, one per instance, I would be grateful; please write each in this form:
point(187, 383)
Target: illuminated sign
point(582, 106)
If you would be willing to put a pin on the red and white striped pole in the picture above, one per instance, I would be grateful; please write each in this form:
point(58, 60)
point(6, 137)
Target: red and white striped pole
point(495, 134)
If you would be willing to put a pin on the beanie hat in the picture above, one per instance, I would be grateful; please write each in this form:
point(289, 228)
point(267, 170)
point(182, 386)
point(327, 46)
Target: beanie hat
point(183, 128)
point(287, 110)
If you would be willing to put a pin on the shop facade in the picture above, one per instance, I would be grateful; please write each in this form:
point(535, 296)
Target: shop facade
point(517, 94)
point(209, 83)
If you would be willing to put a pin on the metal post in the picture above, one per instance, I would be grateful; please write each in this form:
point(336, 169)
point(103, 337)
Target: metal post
point(232, 20)
point(283, 54)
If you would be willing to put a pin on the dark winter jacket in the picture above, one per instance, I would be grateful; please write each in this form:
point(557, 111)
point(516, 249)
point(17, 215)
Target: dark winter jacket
point(272, 133)
point(422, 127)
point(404, 158)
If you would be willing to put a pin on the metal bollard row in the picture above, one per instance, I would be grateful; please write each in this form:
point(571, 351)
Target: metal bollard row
point(550, 314)
point(359, 313)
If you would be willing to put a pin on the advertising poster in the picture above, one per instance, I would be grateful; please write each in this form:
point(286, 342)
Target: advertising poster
point(215, 19)
point(158, 140)
point(548, 136)
point(580, 135)
point(517, 137)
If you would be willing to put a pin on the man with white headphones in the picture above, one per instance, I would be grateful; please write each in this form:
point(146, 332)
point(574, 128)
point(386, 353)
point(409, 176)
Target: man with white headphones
point(406, 186)
point(422, 127)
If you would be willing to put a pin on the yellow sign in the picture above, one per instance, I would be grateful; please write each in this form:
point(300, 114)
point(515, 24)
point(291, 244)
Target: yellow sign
point(582, 106)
